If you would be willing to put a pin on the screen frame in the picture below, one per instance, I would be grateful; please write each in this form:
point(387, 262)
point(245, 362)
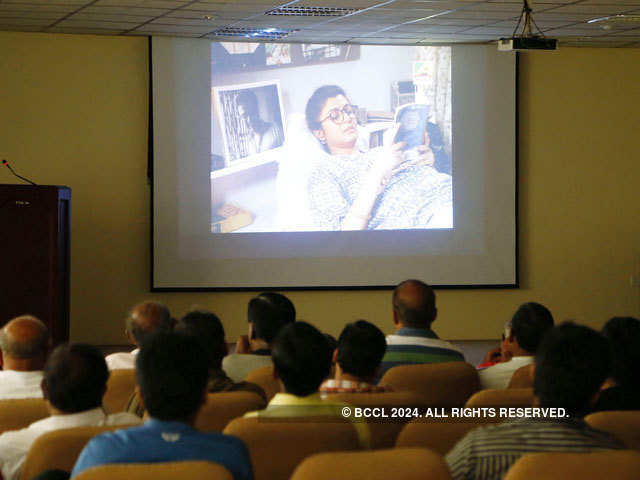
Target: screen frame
point(150, 180)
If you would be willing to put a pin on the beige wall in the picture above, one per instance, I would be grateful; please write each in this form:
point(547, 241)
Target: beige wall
point(73, 111)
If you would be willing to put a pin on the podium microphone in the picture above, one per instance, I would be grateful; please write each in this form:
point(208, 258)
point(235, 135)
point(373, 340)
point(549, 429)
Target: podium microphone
point(6, 164)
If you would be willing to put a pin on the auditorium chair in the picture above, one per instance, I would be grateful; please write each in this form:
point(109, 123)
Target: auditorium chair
point(506, 397)
point(59, 449)
point(21, 412)
point(384, 431)
point(624, 425)
point(196, 470)
point(120, 387)
point(396, 464)
point(612, 464)
point(522, 377)
point(439, 435)
point(278, 445)
point(263, 377)
point(222, 407)
point(447, 384)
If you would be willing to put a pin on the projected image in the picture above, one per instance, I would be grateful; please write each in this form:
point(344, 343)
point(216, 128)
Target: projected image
point(251, 118)
point(366, 144)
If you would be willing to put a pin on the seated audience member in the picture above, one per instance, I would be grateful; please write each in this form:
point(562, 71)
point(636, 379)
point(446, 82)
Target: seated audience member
point(172, 383)
point(267, 313)
point(357, 357)
point(622, 388)
point(145, 319)
point(24, 342)
point(522, 336)
point(75, 379)
point(414, 342)
point(302, 360)
point(571, 365)
point(207, 329)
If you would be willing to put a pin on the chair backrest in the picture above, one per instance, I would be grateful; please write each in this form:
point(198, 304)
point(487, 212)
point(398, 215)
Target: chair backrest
point(21, 412)
point(278, 445)
point(120, 386)
point(522, 377)
point(447, 384)
point(384, 431)
point(624, 425)
point(223, 407)
point(506, 397)
point(158, 471)
point(263, 377)
point(59, 449)
point(438, 435)
point(618, 464)
point(398, 464)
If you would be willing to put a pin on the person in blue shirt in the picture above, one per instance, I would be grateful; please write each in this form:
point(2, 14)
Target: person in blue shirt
point(172, 379)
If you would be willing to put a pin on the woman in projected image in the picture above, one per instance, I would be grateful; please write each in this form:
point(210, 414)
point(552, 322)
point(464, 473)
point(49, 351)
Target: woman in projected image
point(351, 189)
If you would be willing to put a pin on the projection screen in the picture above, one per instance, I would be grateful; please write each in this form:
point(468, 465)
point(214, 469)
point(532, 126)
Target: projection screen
point(332, 166)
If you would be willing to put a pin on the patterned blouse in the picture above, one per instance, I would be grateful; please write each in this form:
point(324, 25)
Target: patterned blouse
point(411, 199)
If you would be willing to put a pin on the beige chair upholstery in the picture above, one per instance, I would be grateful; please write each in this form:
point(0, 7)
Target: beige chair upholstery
point(613, 464)
point(447, 384)
point(396, 464)
point(624, 425)
point(158, 471)
point(507, 397)
point(223, 407)
point(263, 377)
point(59, 449)
point(22, 412)
point(522, 377)
point(120, 386)
point(277, 446)
point(438, 435)
point(384, 431)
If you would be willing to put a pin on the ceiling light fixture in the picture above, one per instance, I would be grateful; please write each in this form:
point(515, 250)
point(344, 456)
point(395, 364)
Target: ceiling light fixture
point(269, 33)
point(612, 20)
point(293, 11)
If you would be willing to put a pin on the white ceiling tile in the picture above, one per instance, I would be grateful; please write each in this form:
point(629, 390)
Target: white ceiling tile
point(150, 12)
point(42, 22)
point(177, 29)
point(164, 4)
point(94, 31)
point(21, 7)
point(38, 3)
point(110, 17)
point(96, 24)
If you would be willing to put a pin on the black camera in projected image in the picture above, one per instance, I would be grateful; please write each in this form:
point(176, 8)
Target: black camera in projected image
point(297, 129)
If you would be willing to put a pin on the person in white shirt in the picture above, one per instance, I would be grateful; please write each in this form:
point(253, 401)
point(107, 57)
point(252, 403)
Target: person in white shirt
point(268, 313)
point(75, 380)
point(145, 318)
point(24, 342)
point(521, 338)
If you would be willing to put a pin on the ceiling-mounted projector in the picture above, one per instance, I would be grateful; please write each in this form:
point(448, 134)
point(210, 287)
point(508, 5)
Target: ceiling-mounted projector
point(527, 43)
point(527, 39)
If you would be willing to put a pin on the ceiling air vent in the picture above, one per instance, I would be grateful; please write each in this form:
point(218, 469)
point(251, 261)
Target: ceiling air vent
point(255, 33)
point(293, 11)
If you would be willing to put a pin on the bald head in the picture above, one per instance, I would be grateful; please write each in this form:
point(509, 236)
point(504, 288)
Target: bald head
point(414, 304)
point(24, 342)
point(147, 318)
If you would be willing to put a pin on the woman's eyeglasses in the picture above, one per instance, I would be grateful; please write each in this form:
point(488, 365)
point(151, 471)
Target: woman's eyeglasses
point(339, 115)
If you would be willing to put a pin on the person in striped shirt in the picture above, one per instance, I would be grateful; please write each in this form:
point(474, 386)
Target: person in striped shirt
point(571, 365)
point(414, 342)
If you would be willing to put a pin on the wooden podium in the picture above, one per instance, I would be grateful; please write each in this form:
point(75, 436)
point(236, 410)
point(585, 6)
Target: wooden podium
point(34, 265)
